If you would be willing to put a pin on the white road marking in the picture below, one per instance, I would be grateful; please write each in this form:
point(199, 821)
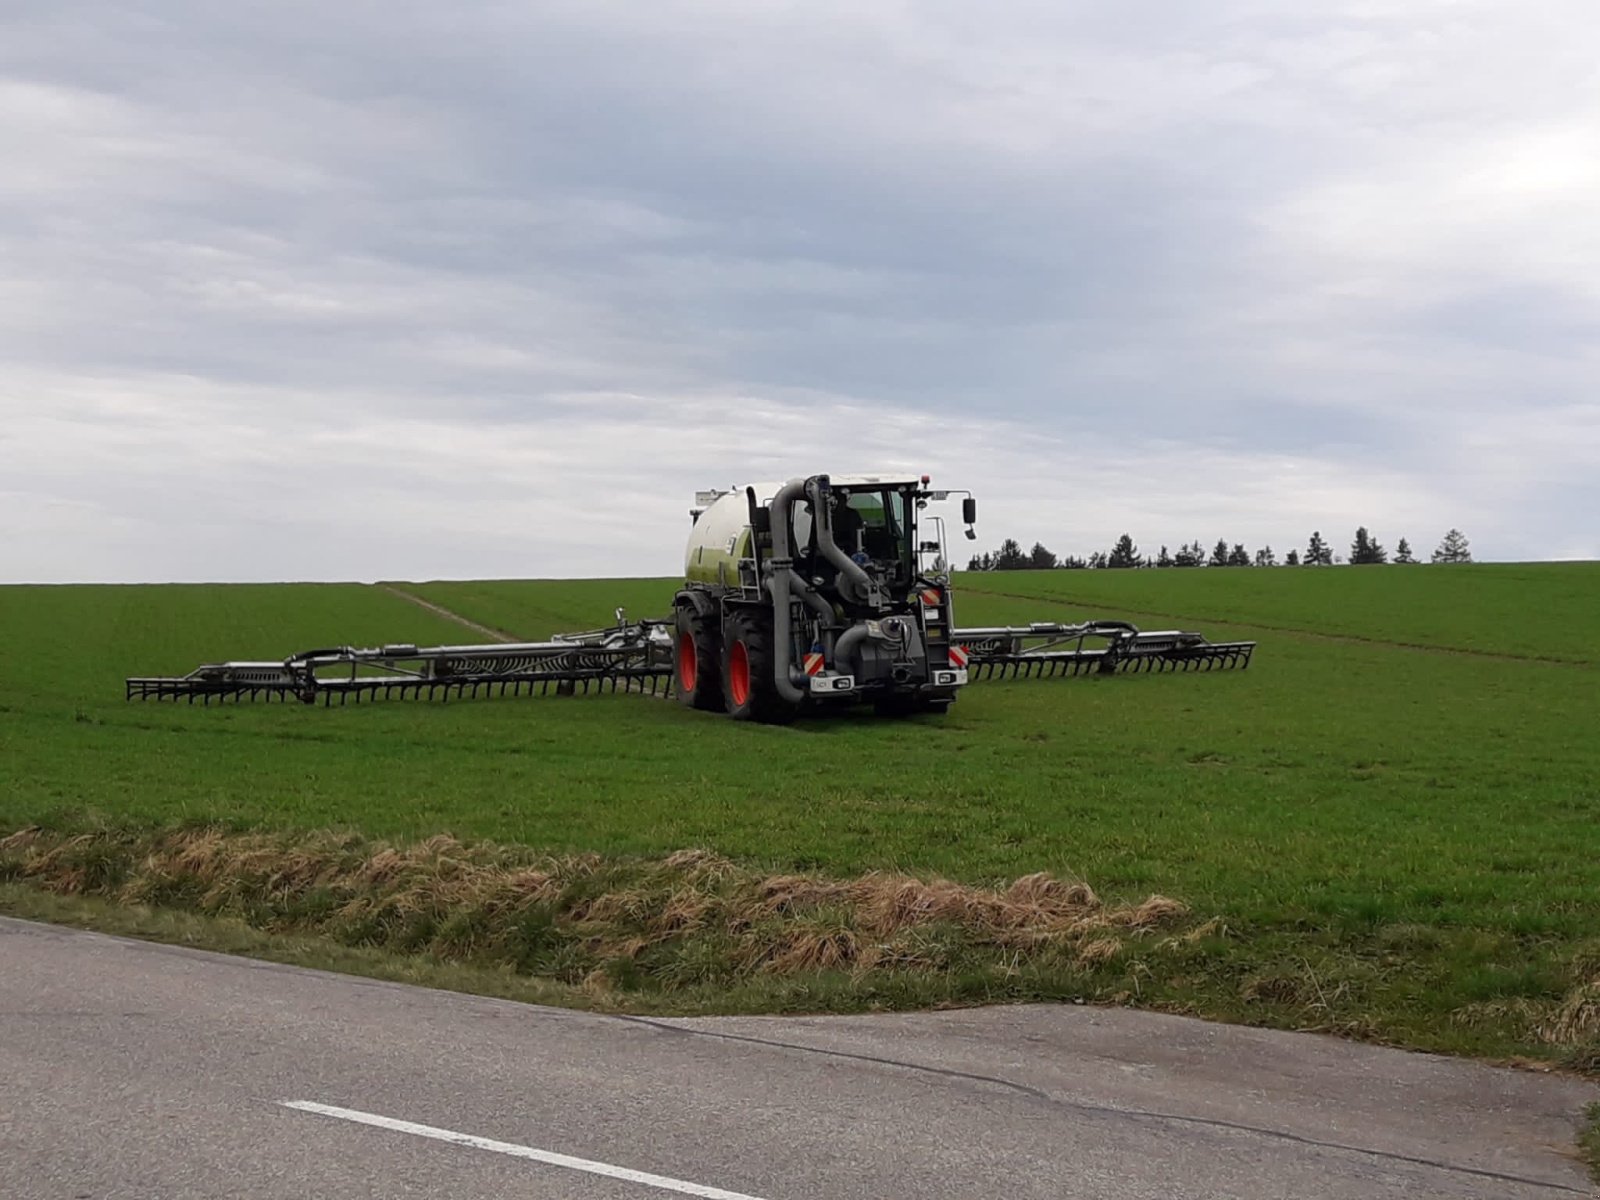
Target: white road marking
point(548, 1157)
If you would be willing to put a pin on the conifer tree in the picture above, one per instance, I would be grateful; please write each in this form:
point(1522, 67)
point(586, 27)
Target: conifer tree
point(1124, 553)
point(1365, 549)
point(1453, 549)
point(1010, 556)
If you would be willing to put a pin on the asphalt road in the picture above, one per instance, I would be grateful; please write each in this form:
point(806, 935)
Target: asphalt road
point(135, 1070)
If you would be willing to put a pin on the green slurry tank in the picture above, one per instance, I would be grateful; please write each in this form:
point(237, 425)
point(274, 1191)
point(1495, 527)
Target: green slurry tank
point(818, 591)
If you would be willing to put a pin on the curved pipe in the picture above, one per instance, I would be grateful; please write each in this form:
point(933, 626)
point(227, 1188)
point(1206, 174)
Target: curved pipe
point(794, 490)
point(822, 522)
point(847, 647)
point(783, 576)
point(782, 636)
point(781, 506)
point(844, 650)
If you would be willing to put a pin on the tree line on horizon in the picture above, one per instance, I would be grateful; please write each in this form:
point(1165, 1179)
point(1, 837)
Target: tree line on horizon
point(1365, 550)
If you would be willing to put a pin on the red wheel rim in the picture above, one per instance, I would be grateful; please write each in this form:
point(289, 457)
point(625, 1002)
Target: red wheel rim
point(688, 661)
point(739, 674)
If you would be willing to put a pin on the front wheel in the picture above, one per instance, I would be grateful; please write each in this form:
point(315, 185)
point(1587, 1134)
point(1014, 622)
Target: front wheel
point(749, 681)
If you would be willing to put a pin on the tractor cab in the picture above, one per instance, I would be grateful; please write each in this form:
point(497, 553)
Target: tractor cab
point(873, 522)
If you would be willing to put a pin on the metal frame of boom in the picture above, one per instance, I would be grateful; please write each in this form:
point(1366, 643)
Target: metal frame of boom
point(638, 658)
point(626, 657)
point(1046, 649)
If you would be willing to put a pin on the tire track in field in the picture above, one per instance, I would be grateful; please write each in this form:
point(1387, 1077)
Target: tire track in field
point(499, 635)
point(1244, 623)
point(440, 610)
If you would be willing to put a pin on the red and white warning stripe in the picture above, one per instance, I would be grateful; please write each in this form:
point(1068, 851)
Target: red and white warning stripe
point(813, 663)
point(958, 657)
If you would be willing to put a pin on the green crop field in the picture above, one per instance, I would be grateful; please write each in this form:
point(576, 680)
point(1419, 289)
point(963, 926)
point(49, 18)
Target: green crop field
point(1394, 813)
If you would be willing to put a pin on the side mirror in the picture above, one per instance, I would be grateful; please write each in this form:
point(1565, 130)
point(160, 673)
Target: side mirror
point(969, 511)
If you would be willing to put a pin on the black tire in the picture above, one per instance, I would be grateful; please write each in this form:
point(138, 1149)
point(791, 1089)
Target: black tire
point(697, 660)
point(748, 680)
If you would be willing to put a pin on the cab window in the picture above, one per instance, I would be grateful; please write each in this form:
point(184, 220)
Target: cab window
point(874, 523)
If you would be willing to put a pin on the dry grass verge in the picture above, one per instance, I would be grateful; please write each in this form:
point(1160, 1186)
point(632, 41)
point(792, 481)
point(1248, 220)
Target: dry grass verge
point(1570, 1026)
point(1589, 1141)
point(690, 921)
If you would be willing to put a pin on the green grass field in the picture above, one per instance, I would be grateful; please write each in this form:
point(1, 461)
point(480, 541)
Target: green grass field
point(1393, 811)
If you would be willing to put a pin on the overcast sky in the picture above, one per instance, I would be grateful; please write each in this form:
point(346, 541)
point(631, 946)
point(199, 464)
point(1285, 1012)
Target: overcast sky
point(384, 290)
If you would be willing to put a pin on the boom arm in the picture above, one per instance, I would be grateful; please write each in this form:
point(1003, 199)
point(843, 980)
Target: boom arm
point(638, 657)
point(626, 657)
point(1045, 648)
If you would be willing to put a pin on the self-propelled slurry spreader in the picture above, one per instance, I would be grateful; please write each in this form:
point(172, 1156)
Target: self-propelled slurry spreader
point(818, 593)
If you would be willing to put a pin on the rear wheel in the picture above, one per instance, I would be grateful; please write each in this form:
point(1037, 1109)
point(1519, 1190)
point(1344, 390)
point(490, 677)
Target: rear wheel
point(749, 682)
point(697, 660)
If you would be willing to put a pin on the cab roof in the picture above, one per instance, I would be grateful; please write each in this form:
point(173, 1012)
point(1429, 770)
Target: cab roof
point(766, 491)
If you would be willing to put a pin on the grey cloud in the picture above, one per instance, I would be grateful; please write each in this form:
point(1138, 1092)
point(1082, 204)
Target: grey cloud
point(247, 237)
